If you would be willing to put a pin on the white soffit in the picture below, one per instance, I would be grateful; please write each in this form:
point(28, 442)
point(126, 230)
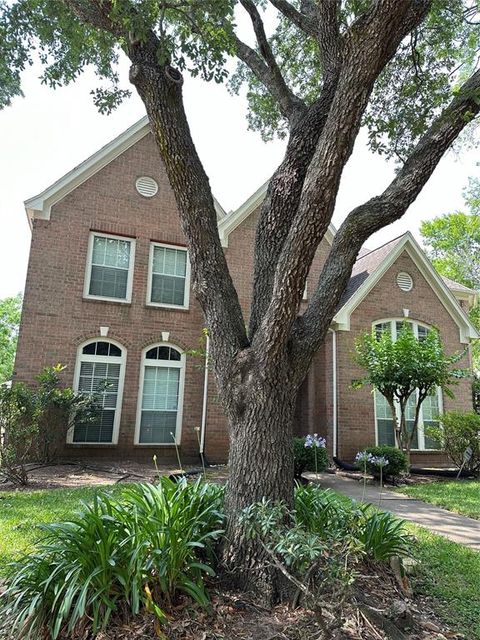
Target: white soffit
point(40, 206)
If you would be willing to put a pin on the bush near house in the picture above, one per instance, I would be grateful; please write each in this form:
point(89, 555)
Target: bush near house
point(457, 433)
point(33, 419)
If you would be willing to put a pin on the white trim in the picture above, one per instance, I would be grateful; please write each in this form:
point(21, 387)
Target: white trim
point(466, 330)
point(186, 299)
point(88, 268)
point(334, 392)
point(81, 357)
point(178, 364)
point(235, 219)
point(205, 398)
point(40, 206)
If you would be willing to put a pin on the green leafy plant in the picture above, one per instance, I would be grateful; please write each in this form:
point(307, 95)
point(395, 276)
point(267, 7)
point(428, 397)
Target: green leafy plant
point(58, 410)
point(124, 554)
point(456, 433)
point(10, 312)
point(18, 431)
point(384, 536)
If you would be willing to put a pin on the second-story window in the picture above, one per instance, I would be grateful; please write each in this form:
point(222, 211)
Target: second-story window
point(109, 267)
point(169, 276)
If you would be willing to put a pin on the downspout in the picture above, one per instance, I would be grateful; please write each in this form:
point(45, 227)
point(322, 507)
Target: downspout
point(205, 397)
point(334, 392)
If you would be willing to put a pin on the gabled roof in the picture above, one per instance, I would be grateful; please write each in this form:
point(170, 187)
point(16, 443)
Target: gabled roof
point(370, 268)
point(40, 206)
point(235, 218)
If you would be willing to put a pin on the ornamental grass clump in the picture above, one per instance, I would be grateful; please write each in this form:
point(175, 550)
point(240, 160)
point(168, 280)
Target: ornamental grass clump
point(116, 557)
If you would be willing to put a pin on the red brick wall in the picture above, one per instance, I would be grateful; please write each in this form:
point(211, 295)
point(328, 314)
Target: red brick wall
point(57, 319)
point(356, 407)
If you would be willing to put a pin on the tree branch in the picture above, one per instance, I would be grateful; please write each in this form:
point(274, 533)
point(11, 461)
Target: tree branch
point(267, 70)
point(368, 49)
point(382, 210)
point(303, 21)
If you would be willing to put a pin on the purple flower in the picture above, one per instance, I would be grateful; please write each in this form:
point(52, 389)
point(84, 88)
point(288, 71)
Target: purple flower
point(363, 456)
point(315, 441)
point(379, 461)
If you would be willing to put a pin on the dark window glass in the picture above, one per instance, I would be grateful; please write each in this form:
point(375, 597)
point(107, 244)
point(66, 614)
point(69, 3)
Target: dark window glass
point(163, 353)
point(89, 349)
point(102, 349)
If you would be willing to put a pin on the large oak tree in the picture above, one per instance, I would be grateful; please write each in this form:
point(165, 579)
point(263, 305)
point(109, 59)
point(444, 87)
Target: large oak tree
point(319, 70)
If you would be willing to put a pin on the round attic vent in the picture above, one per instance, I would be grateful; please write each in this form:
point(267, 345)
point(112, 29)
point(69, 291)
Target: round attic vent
point(146, 186)
point(404, 281)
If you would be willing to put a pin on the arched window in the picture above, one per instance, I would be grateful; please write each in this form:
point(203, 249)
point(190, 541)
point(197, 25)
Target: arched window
point(100, 371)
point(159, 414)
point(430, 409)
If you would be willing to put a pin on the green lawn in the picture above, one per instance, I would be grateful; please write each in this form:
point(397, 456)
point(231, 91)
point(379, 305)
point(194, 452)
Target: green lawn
point(461, 496)
point(450, 574)
point(22, 512)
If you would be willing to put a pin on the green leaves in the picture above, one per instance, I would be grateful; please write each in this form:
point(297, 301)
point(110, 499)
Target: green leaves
point(118, 554)
point(10, 311)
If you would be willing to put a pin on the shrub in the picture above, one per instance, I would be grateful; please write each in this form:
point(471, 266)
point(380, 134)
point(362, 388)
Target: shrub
point(117, 555)
point(58, 410)
point(397, 460)
point(304, 457)
point(18, 431)
point(331, 517)
point(458, 432)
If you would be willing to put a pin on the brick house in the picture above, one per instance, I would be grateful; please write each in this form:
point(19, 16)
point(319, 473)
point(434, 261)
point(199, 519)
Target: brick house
point(107, 294)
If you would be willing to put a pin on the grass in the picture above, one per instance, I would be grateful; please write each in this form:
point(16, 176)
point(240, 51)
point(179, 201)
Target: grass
point(449, 573)
point(22, 512)
point(460, 496)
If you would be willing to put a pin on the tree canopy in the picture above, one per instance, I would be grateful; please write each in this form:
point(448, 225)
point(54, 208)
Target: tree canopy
point(10, 311)
point(452, 240)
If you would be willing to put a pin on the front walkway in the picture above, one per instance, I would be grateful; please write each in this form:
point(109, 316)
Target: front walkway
point(455, 527)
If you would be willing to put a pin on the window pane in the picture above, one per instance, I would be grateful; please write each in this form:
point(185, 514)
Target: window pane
point(430, 419)
point(108, 282)
point(169, 272)
point(159, 404)
point(381, 328)
point(101, 379)
point(422, 332)
point(110, 264)
point(168, 290)
point(385, 426)
point(410, 418)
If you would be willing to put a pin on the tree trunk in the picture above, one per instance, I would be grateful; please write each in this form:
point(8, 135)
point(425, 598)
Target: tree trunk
point(260, 466)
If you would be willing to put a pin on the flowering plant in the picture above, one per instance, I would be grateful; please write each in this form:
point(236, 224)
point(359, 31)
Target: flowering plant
point(315, 442)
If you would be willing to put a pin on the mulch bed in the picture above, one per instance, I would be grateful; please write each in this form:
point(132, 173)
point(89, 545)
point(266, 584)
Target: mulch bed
point(378, 611)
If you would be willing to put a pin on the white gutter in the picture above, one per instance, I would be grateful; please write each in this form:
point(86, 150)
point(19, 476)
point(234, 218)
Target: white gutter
point(205, 397)
point(334, 392)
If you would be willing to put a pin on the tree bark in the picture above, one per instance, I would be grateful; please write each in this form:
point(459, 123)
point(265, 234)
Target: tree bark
point(261, 465)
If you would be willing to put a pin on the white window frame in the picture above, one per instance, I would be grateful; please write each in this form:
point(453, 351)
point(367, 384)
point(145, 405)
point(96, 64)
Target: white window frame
point(121, 360)
point(180, 364)
point(88, 268)
point(186, 300)
point(421, 434)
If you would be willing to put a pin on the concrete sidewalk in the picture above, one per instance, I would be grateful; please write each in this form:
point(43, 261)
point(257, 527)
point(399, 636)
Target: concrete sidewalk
point(455, 527)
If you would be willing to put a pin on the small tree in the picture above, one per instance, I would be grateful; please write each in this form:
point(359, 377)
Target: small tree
point(399, 368)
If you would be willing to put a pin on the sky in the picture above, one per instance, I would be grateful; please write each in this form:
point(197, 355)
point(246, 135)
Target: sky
point(47, 133)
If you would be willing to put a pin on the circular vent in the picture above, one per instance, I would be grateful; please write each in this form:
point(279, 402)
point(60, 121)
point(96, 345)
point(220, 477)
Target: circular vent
point(404, 281)
point(146, 186)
